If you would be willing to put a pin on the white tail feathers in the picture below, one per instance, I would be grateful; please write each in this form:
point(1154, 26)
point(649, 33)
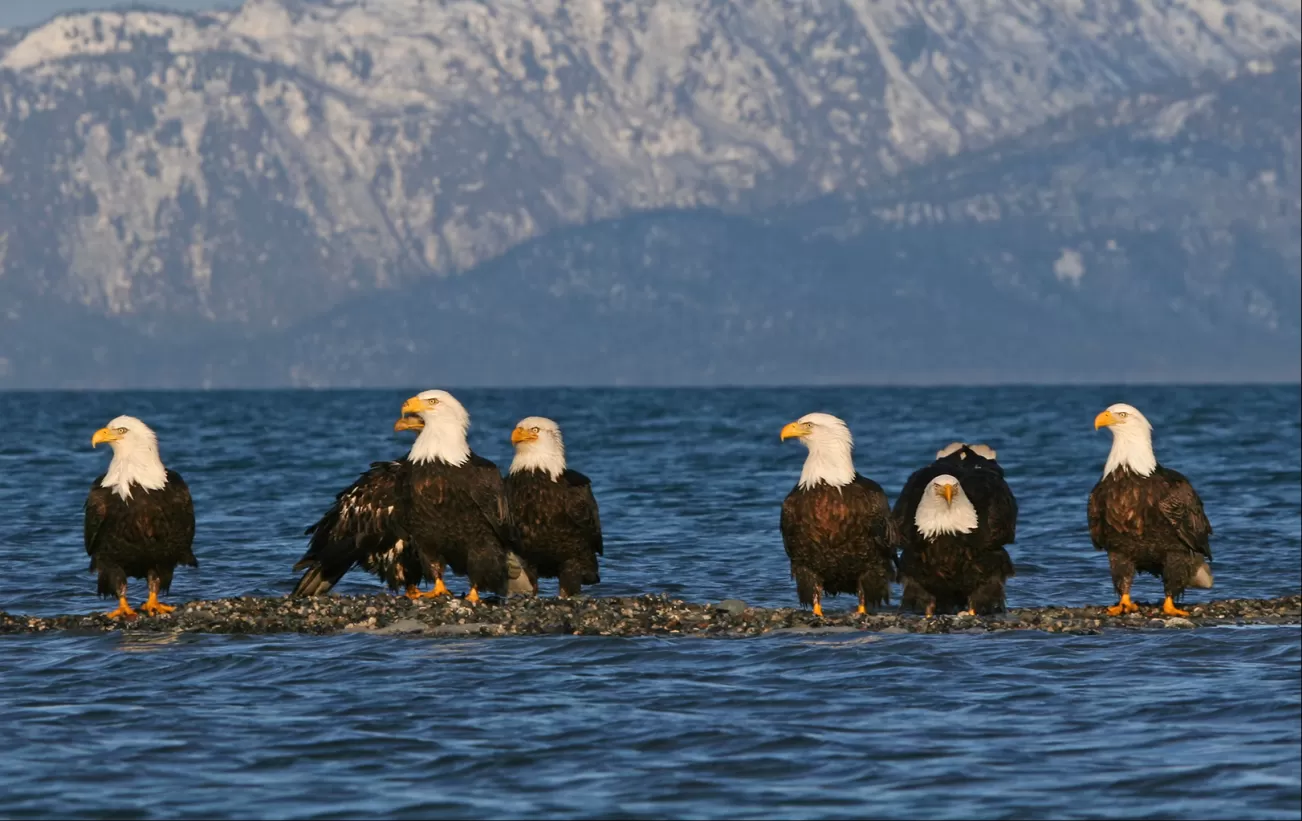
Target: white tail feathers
point(518, 582)
point(1203, 578)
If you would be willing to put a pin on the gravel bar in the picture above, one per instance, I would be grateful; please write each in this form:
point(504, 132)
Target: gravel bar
point(641, 616)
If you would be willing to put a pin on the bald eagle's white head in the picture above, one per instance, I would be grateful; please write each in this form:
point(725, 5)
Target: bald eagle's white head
point(1132, 439)
point(952, 447)
point(944, 509)
point(984, 451)
point(538, 446)
point(135, 456)
point(443, 427)
point(831, 449)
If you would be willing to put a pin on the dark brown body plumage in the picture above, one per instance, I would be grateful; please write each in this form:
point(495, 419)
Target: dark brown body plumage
point(365, 526)
point(953, 572)
point(1151, 524)
point(460, 518)
point(144, 537)
point(558, 525)
point(840, 540)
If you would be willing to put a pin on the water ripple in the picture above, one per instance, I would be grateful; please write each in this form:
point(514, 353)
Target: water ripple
point(1120, 725)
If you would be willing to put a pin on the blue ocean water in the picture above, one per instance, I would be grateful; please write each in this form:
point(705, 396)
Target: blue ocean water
point(1203, 723)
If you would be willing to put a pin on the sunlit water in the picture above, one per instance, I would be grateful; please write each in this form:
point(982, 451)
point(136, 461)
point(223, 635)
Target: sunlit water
point(1153, 724)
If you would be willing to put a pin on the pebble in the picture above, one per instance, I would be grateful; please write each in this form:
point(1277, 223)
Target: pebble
point(652, 615)
point(733, 607)
point(400, 626)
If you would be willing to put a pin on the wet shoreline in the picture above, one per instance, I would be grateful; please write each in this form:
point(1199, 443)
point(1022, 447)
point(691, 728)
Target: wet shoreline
point(632, 616)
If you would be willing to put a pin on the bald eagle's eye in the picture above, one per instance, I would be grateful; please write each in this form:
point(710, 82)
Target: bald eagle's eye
point(534, 430)
point(121, 430)
point(433, 402)
point(1122, 414)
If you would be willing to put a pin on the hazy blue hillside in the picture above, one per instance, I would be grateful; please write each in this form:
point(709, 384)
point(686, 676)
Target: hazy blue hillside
point(669, 191)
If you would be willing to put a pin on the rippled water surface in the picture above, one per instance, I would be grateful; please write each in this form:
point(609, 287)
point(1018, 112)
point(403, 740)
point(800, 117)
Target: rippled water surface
point(1202, 723)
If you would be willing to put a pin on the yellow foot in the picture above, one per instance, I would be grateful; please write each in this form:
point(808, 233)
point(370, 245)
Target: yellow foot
point(931, 610)
point(153, 607)
point(1123, 606)
point(440, 589)
point(1169, 608)
point(473, 596)
point(971, 611)
point(862, 610)
point(124, 610)
point(818, 609)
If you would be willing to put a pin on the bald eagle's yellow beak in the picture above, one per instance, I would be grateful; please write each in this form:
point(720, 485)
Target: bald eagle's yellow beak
point(521, 435)
point(409, 423)
point(794, 430)
point(104, 435)
point(415, 405)
point(1104, 419)
point(948, 492)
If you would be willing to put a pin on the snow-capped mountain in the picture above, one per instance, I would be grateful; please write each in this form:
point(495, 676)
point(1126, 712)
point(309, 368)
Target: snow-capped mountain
point(239, 178)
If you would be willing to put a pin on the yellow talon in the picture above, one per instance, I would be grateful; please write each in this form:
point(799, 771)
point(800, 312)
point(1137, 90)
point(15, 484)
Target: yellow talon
point(473, 595)
point(1123, 606)
point(153, 607)
point(931, 610)
point(1169, 608)
point(862, 610)
point(818, 609)
point(124, 610)
point(440, 589)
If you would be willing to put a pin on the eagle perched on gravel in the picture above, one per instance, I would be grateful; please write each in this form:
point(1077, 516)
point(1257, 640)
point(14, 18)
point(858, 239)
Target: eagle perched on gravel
point(1147, 517)
point(139, 518)
point(956, 515)
point(836, 525)
point(554, 511)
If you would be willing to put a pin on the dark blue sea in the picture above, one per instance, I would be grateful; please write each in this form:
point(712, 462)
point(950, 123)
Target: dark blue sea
point(1163, 724)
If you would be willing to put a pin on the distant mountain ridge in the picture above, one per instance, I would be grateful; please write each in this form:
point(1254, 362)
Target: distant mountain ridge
point(325, 193)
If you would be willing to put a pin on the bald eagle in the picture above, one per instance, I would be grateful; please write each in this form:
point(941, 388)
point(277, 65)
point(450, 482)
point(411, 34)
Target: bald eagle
point(955, 516)
point(460, 515)
point(407, 521)
point(139, 519)
point(553, 509)
point(836, 525)
point(1148, 518)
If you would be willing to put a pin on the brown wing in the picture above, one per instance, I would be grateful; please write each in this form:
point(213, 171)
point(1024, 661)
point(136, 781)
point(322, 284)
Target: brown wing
point(1095, 516)
point(882, 527)
point(178, 518)
point(364, 519)
point(581, 507)
point(995, 504)
point(97, 513)
point(488, 492)
point(1184, 510)
point(788, 523)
